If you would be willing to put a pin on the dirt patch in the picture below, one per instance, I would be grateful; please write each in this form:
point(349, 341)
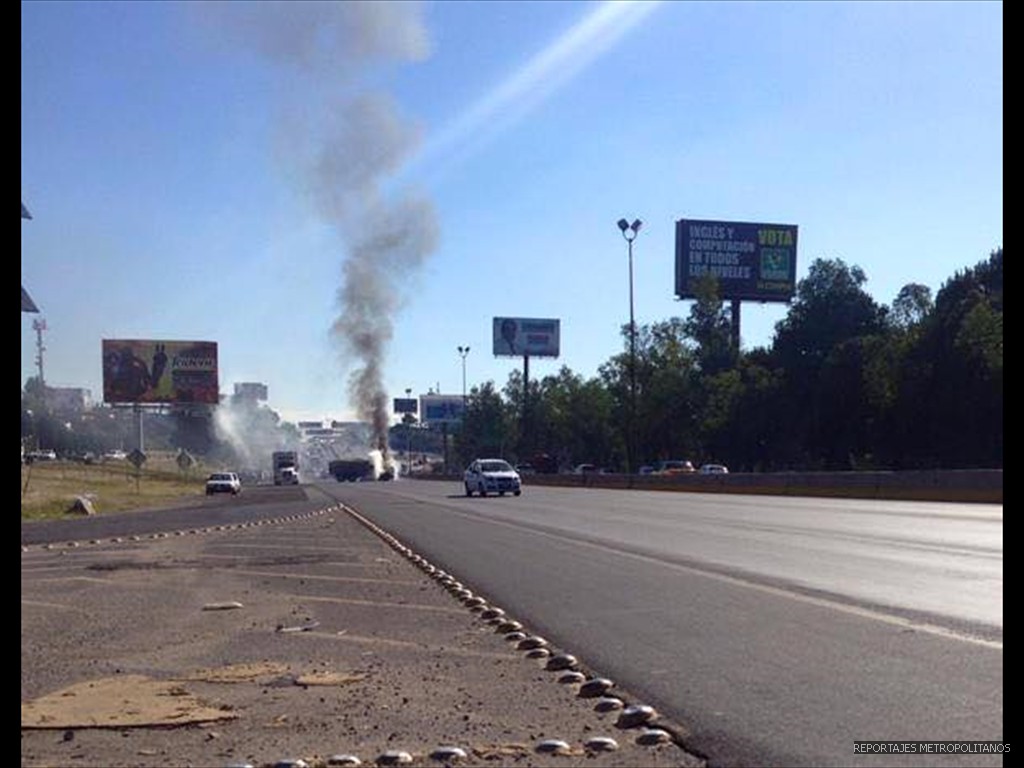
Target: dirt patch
point(125, 701)
point(267, 672)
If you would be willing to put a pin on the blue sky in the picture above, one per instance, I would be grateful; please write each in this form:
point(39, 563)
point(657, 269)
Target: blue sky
point(194, 170)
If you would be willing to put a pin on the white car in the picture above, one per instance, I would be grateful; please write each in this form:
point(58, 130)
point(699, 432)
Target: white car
point(223, 482)
point(714, 469)
point(41, 455)
point(485, 476)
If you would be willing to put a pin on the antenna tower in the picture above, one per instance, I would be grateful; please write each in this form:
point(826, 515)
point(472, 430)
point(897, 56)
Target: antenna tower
point(39, 326)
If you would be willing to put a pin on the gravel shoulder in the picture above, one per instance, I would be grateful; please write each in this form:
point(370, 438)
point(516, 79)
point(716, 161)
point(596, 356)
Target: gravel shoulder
point(307, 637)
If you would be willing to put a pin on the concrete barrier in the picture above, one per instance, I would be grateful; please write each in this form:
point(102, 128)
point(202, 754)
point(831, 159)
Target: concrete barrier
point(965, 485)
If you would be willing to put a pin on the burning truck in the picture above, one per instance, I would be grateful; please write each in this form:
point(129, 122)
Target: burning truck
point(355, 470)
point(351, 470)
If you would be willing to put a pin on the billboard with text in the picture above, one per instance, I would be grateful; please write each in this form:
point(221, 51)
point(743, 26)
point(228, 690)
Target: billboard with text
point(405, 405)
point(525, 337)
point(441, 409)
point(756, 262)
point(160, 372)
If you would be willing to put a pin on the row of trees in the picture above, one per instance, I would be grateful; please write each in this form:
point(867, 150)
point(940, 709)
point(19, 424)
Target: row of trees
point(846, 384)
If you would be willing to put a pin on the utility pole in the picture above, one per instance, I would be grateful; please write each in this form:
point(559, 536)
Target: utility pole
point(39, 326)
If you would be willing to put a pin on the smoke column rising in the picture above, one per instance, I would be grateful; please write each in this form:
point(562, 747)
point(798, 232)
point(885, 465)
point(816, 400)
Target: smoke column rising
point(398, 237)
point(352, 143)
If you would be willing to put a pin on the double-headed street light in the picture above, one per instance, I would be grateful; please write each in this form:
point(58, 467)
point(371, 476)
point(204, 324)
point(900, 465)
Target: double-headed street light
point(630, 231)
point(408, 435)
point(463, 351)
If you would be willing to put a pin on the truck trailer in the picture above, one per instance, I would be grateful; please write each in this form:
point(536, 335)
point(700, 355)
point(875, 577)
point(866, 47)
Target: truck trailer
point(351, 470)
point(286, 467)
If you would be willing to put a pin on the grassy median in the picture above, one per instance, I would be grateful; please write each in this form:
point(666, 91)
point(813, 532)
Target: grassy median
point(49, 489)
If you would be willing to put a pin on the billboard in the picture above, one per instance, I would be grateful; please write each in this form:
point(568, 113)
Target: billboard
point(178, 372)
point(441, 409)
point(756, 262)
point(525, 337)
point(405, 405)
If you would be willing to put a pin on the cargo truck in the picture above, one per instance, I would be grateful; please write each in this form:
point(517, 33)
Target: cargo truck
point(351, 470)
point(285, 465)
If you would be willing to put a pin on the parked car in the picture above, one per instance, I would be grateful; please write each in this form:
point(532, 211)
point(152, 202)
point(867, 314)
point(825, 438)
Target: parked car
point(584, 469)
point(223, 482)
point(485, 476)
point(40, 455)
point(714, 469)
point(674, 467)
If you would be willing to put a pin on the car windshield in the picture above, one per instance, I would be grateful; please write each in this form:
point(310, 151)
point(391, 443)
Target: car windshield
point(221, 476)
point(495, 466)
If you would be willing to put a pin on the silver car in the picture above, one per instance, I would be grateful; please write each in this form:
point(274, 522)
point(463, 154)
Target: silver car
point(714, 469)
point(485, 476)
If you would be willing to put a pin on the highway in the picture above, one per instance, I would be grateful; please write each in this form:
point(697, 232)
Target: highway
point(776, 630)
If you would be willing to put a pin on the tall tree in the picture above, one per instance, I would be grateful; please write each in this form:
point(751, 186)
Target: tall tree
point(831, 309)
point(912, 305)
point(950, 409)
point(488, 425)
point(710, 326)
point(667, 400)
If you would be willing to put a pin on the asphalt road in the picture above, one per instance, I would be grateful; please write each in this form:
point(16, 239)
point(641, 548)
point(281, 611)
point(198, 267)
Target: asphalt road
point(778, 631)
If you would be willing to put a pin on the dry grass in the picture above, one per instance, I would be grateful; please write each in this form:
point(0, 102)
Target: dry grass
point(49, 488)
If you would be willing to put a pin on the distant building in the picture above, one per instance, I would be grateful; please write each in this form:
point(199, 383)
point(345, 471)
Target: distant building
point(250, 390)
point(349, 425)
point(69, 399)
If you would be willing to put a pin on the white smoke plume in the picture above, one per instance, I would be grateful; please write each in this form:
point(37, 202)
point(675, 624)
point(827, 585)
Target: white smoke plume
point(250, 430)
point(351, 145)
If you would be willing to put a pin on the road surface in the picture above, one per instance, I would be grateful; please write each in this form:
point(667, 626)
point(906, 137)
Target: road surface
point(777, 631)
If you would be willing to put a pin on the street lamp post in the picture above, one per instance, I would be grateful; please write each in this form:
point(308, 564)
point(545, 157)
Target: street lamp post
point(408, 436)
point(463, 351)
point(629, 232)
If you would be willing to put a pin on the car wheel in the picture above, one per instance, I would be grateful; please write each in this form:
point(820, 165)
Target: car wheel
point(469, 491)
point(516, 493)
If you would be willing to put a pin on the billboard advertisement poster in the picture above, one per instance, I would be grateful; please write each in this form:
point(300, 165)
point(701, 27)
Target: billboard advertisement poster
point(441, 409)
point(525, 337)
point(405, 405)
point(755, 262)
point(160, 372)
